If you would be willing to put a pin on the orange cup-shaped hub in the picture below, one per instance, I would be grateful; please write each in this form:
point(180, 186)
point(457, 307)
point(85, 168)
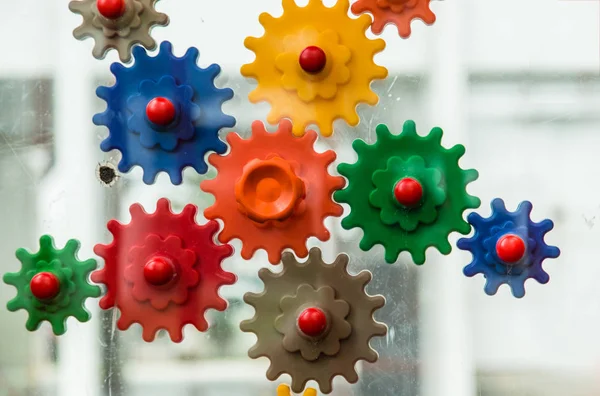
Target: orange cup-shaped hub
point(269, 190)
point(159, 271)
point(44, 286)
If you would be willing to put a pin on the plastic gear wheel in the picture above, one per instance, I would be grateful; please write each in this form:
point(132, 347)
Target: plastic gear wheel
point(284, 390)
point(290, 294)
point(399, 12)
point(118, 24)
point(273, 191)
point(52, 285)
point(163, 271)
point(164, 113)
point(508, 247)
point(314, 64)
point(374, 192)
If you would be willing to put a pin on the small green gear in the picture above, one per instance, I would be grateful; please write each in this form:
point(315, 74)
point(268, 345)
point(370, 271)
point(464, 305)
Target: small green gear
point(370, 192)
point(68, 276)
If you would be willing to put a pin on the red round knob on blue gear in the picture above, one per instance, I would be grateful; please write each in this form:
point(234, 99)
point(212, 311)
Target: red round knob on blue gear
point(407, 192)
point(508, 247)
point(163, 270)
point(161, 111)
point(164, 113)
point(52, 285)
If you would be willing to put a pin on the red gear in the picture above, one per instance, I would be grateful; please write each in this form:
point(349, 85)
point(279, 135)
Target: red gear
point(273, 191)
point(174, 240)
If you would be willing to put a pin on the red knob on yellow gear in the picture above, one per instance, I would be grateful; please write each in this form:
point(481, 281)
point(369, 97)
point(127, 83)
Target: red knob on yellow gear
point(313, 59)
point(111, 9)
point(510, 248)
point(269, 190)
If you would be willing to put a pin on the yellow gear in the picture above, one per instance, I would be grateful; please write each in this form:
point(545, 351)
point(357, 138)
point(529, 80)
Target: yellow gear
point(284, 390)
point(314, 98)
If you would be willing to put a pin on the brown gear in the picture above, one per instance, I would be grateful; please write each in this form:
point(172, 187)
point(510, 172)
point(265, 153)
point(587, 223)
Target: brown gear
point(317, 274)
point(122, 33)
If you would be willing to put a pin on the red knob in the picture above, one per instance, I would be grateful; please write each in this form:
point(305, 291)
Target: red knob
point(312, 322)
point(313, 59)
point(408, 192)
point(159, 271)
point(111, 9)
point(45, 286)
point(510, 248)
point(161, 111)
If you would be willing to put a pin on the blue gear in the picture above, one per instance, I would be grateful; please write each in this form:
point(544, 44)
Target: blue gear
point(488, 231)
point(149, 149)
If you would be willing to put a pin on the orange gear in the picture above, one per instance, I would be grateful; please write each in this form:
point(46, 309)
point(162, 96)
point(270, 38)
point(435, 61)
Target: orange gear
point(273, 191)
point(399, 12)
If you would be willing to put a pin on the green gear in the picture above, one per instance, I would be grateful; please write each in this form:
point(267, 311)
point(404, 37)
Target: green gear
point(73, 278)
point(391, 155)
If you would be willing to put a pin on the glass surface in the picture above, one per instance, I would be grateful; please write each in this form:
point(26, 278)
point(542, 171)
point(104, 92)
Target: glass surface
point(517, 82)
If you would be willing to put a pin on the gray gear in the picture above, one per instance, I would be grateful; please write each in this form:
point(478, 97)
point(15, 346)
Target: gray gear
point(319, 276)
point(133, 27)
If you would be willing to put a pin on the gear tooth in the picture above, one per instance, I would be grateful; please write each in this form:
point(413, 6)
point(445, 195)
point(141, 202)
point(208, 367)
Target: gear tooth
point(148, 334)
point(76, 6)
point(383, 134)
point(252, 43)
point(273, 373)
point(298, 384)
point(541, 276)
point(498, 206)
point(267, 20)
point(288, 6)
point(191, 56)
point(517, 288)
point(11, 278)
point(137, 212)
point(444, 246)
point(435, 138)
point(23, 256)
point(47, 243)
point(351, 376)
point(177, 334)
point(247, 326)
point(33, 323)
point(15, 304)
point(82, 314)
point(418, 256)
point(59, 325)
point(409, 129)
point(72, 247)
point(524, 210)
point(254, 298)
point(391, 255)
point(366, 243)
point(315, 256)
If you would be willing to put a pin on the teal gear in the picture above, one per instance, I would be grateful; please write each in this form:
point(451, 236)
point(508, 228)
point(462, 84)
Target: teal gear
point(371, 181)
point(72, 276)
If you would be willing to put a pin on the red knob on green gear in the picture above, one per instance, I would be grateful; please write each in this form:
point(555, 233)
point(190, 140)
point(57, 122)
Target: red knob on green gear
point(407, 192)
point(52, 285)
point(163, 270)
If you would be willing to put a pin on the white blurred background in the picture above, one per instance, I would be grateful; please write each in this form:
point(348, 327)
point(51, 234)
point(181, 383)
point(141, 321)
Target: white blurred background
point(516, 81)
